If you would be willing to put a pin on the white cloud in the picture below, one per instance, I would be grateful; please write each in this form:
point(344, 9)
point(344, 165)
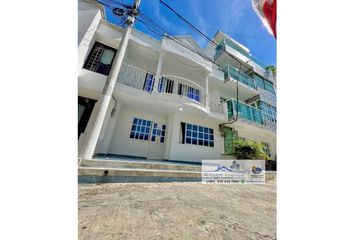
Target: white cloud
point(230, 13)
point(166, 24)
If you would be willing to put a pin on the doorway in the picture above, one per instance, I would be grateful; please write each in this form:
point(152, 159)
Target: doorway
point(157, 141)
point(228, 141)
point(85, 107)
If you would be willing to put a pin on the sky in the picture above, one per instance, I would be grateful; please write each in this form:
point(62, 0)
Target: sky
point(236, 18)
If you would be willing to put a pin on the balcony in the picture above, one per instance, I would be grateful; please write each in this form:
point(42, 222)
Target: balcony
point(250, 114)
point(181, 87)
point(236, 74)
point(230, 47)
point(143, 80)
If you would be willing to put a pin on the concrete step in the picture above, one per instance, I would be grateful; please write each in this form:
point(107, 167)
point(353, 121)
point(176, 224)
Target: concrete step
point(112, 175)
point(144, 164)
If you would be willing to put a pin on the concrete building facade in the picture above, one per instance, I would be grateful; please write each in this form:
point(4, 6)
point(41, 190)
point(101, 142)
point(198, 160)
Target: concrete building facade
point(170, 103)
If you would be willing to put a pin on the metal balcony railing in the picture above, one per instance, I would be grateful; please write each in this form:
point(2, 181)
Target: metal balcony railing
point(137, 78)
point(132, 76)
point(182, 87)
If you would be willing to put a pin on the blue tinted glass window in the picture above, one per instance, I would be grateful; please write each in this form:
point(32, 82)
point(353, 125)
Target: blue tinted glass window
point(162, 139)
point(140, 129)
point(149, 82)
point(199, 135)
point(163, 127)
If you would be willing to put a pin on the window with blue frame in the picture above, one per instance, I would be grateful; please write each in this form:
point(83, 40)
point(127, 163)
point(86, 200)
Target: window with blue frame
point(149, 82)
point(193, 94)
point(165, 85)
point(197, 135)
point(140, 129)
point(189, 92)
point(147, 130)
point(158, 131)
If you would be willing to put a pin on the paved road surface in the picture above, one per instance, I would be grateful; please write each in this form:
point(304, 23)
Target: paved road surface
point(177, 211)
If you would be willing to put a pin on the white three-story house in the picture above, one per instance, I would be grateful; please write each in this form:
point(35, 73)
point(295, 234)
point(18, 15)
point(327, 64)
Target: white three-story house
point(170, 103)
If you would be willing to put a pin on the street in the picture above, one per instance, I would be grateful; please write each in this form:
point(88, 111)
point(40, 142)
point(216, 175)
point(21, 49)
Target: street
point(177, 211)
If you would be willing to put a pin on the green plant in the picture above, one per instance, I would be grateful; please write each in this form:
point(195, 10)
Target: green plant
point(273, 69)
point(249, 150)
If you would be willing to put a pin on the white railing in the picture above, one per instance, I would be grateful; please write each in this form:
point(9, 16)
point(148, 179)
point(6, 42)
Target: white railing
point(182, 87)
point(132, 76)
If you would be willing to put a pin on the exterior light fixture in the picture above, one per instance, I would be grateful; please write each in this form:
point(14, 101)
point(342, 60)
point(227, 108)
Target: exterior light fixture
point(181, 109)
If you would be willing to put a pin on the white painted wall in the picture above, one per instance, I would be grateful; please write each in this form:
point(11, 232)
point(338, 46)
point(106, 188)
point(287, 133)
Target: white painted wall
point(121, 142)
point(189, 152)
point(89, 17)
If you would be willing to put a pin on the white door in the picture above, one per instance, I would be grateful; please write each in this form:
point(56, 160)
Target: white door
point(157, 141)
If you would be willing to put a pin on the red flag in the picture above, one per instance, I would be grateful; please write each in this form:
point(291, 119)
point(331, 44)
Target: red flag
point(267, 12)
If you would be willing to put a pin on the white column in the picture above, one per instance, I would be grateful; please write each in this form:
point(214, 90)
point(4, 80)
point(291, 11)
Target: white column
point(108, 129)
point(158, 70)
point(207, 90)
point(91, 139)
point(168, 136)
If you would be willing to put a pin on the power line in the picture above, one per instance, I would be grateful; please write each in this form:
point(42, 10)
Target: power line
point(198, 31)
point(216, 45)
point(164, 34)
point(173, 39)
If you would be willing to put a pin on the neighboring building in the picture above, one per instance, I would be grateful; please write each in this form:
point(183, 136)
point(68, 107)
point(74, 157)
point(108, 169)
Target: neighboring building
point(170, 103)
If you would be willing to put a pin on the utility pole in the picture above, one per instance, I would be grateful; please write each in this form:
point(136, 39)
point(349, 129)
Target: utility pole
point(92, 137)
